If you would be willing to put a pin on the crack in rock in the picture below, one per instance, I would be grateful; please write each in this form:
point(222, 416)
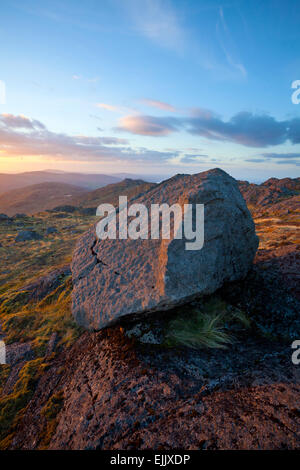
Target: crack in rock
point(99, 261)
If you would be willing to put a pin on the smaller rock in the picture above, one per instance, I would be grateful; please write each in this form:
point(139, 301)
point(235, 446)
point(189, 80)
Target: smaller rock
point(66, 208)
point(17, 355)
point(51, 230)
point(60, 215)
point(20, 216)
point(46, 284)
point(88, 210)
point(51, 344)
point(4, 218)
point(27, 235)
point(18, 352)
point(150, 338)
point(147, 333)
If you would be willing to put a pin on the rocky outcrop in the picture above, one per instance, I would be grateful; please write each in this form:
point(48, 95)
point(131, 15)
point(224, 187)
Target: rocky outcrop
point(118, 395)
point(114, 279)
point(261, 196)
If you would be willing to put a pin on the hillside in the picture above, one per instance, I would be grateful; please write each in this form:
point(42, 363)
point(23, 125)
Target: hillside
point(111, 192)
point(45, 196)
point(88, 181)
point(38, 197)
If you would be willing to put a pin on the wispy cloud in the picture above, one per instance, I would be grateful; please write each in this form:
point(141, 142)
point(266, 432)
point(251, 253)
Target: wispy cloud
point(159, 105)
point(158, 21)
point(289, 158)
point(255, 160)
point(281, 155)
point(108, 107)
point(227, 44)
point(194, 159)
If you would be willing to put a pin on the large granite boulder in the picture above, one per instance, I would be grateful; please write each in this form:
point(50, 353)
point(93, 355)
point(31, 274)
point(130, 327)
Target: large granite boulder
point(115, 279)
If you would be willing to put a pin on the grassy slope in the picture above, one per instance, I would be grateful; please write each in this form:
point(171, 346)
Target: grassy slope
point(34, 322)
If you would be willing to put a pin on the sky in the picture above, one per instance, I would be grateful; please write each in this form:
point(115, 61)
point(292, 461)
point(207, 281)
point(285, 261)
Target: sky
point(150, 86)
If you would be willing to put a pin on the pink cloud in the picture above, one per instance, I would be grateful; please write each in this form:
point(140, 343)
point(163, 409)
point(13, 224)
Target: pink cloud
point(159, 104)
point(106, 106)
point(147, 125)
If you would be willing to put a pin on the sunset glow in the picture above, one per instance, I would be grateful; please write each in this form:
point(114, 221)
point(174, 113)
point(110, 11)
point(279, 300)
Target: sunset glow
point(150, 86)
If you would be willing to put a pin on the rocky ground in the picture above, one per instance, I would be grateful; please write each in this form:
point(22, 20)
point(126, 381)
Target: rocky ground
point(125, 388)
point(128, 387)
point(115, 395)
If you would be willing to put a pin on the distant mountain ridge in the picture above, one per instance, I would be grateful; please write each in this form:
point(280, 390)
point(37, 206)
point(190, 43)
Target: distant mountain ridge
point(284, 194)
point(44, 196)
point(38, 197)
point(88, 181)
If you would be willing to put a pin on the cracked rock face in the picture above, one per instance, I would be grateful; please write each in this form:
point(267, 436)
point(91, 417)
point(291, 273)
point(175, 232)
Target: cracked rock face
point(115, 279)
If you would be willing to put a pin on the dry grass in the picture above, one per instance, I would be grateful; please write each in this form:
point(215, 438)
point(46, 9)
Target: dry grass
point(28, 321)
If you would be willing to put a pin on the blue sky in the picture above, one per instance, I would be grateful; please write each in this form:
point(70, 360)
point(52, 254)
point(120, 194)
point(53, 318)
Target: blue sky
point(150, 86)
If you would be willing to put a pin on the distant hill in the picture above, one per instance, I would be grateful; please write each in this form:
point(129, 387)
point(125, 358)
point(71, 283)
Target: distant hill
point(88, 181)
point(38, 197)
point(155, 178)
point(260, 197)
point(110, 193)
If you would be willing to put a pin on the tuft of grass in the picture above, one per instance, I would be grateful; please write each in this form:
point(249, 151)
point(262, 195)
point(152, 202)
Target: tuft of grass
point(53, 406)
point(241, 317)
point(199, 331)
point(209, 327)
